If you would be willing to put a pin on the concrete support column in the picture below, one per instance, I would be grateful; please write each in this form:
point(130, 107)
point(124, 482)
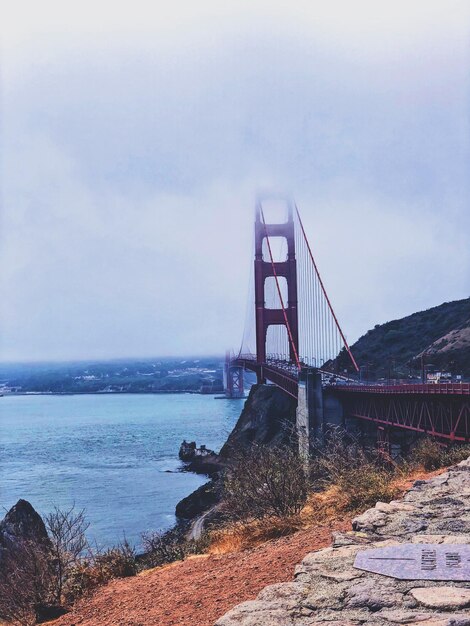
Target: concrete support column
point(315, 405)
point(302, 421)
point(309, 417)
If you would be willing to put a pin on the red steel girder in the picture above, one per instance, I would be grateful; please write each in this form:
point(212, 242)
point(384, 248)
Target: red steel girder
point(442, 416)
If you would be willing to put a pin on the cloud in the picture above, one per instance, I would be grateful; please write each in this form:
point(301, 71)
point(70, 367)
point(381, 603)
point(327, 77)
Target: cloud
point(131, 166)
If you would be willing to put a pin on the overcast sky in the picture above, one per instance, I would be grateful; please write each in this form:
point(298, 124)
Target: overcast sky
point(135, 137)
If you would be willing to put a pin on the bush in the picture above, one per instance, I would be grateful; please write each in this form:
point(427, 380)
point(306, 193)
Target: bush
point(166, 547)
point(98, 569)
point(367, 485)
point(265, 482)
point(37, 578)
point(427, 453)
point(362, 476)
point(117, 562)
point(237, 536)
point(67, 533)
point(26, 583)
point(162, 547)
point(432, 455)
point(82, 579)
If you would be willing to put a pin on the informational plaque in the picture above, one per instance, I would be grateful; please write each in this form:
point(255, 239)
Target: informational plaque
point(418, 561)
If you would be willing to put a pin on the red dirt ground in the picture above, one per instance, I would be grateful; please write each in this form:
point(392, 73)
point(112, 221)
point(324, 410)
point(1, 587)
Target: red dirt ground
point(198, 591)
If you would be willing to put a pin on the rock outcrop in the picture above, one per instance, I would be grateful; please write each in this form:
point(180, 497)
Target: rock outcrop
point(21, 523)
point(200, 460)
point(199, 501)
point(329, 591)
point(268, 418)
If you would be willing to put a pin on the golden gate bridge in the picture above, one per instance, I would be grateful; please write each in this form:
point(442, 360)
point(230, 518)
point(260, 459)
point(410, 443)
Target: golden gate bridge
point(292, 338)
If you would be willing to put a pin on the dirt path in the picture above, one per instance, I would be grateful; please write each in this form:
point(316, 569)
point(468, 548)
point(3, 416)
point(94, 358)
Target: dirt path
point(197, 527)
point(198, 591)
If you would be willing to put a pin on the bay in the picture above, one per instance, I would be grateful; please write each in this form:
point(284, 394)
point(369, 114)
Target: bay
point(116, 455)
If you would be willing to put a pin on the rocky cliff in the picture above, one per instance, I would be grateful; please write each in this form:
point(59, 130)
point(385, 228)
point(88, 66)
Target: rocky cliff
point(329, 591)
point(268, 418)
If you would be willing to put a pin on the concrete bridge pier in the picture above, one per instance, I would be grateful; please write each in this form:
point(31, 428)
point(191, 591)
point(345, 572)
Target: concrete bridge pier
point(310, 410)
point(317, 410)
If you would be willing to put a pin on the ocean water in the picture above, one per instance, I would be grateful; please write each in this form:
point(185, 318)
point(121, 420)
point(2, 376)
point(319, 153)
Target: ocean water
point(114, 455)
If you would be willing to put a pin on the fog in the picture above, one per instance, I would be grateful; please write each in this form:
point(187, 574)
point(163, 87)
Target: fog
point(135, 138)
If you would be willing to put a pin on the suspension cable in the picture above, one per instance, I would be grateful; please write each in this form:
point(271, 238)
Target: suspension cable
point(324, 291)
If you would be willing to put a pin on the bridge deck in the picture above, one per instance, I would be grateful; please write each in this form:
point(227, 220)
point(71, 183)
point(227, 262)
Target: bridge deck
point(287, 374)
point(426, 389)
point(441, 410)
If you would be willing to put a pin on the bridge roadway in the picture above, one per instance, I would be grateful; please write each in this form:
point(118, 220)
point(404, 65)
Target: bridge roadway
point(441, 410)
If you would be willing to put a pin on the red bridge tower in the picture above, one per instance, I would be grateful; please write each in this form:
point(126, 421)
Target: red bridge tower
point(286, 315)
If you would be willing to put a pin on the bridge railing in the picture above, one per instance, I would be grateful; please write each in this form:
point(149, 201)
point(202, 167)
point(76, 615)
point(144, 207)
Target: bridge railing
point(428, 388)
point(281, 374)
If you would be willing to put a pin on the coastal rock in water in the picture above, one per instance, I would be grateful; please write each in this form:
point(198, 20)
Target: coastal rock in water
point(187, 450)
point(200, 460)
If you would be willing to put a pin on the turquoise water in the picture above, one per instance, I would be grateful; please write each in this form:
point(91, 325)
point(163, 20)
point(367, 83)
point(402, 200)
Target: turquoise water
point(114, 455)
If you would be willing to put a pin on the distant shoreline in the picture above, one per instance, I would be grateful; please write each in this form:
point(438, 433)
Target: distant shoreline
point(107, 393)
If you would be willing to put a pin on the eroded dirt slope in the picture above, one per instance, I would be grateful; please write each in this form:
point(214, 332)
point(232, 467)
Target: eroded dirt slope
point(199, 590)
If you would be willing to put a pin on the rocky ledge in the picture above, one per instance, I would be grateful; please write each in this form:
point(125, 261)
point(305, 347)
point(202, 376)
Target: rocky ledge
point(329, 591)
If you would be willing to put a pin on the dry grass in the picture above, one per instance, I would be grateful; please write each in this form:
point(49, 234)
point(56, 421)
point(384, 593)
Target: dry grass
point(243, 535)
point(429, 454)
point(322, 508)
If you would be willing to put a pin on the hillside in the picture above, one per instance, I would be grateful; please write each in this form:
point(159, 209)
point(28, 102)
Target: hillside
point(162, 375)
point(197, 591)
point(201, 589)
point(394, 349)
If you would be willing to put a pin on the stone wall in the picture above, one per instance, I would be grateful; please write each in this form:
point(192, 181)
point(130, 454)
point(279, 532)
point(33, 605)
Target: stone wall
point(328, 591)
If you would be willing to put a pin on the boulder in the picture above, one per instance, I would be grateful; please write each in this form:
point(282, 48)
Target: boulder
point(22, 522)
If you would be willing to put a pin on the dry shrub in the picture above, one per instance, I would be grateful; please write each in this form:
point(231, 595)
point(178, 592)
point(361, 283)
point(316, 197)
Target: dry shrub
point(324, 506)
point(361, 476)
point(77, 568)
point(117, 562)
point(67, 534)
point(432, 455)
point(26, 583)
point(82, 578)
point(166, 547)
point(264, 482)
point(98, 569)
point(37, 579)
point(163, 547)
point(367, 485)
point(243, 535)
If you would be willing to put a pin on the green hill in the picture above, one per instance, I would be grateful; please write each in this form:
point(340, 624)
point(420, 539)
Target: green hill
point(440, 334)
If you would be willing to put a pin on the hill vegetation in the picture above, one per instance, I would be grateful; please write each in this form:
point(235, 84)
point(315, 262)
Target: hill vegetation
point(439, 336)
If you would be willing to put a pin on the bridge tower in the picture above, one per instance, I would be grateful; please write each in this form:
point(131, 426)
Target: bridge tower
point(286, 316)
point(233, 378)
